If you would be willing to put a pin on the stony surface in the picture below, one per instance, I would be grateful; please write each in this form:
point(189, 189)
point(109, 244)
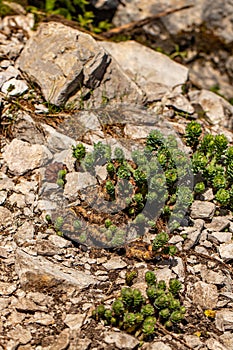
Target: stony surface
point(49, 285)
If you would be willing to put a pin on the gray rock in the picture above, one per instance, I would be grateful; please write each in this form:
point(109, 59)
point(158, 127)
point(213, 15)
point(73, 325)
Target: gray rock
point(38, 272)
point(202, 210)
point(152, 71)
point(192, 239)
point(67, 56)
point(213, 344)
point(210, 276)
point(6, 217)
point(220, 237)
point(24, 233)
point(121, 340)
point(83, 344)
point(20, 334)
point(115, 263)
point(157, 345)
point(227, 340)
point(74, 321)
point(181, 103)
point(27, 305)
point(3, 197)
point(7, 288)
point(76, 182)
point(17, 199)
point(193, 341)
point(217, 109)
point(21, 157)
point(63, 60)
point(42, 318)
point(218, 223)
point(226, 251)
point(14, 87)
point(62, 341)
point(224, 320)
point(205, 295)
point(57, 141)
point(9, 73)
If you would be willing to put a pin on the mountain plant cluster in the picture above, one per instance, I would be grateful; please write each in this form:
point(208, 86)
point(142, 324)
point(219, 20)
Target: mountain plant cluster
point(140, 316)
point(212, 164)
point(153, 183)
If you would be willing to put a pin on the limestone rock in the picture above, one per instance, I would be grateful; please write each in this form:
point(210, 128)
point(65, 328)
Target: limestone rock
point(226, 251)
point(217, 109)
point(205, 295)
point(65, 62)
point(6, 217)
point(14, 87)
point(38, 272)
point(152, 71)
point(202, 210)
point(22, 157)
point(224, 320)
point(157, 345)
point(75, 182)
point(115, 263)
point(121, 340)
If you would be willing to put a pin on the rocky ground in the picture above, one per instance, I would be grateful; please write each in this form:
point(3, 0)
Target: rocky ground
point(114, 93)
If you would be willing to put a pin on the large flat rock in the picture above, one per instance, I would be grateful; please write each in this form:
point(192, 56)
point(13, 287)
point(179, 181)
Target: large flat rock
point(152, 71)
point(65, 62)
point(36, 272)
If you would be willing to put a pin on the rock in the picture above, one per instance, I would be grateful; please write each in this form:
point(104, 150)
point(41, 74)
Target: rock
point(224, 320)
point(6, 217)
point(9, 73)
point(47, 248)
point(217, 109)
point(59, 241)
point(202, 210)
point(42, 319)
point(18, 200)
point(193, 341)
point(227, 340)
point(27, 305)
point(14, 87)
point(192, 239)
point(115, 263)
point(7, 288)
point(121, 340)
point(24, 233)
point(180, 103)
point(76, 182)
point(63, 60)
point(21, 157)
point(226, 251)
point(218, 223)
point(47, 55)
point(74, 321)
point(210, 276)
point(56, 140)
point(20, 334)
point(38, 273)
point(62, 341)
point(220, 237)
point(152, 71)
point(3, 197)
point(205, 295)
point(157, 345)
point(83, 344)
point(213, 344)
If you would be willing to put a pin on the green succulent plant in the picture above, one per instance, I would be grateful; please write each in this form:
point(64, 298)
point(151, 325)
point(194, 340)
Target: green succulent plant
point(193, 132)
point(130, 276)
point(135, 315)
point(150, 278)
point(79, 151)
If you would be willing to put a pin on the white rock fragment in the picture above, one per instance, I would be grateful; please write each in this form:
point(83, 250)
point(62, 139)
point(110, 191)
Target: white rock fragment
point(14, 87)
point(21, 157)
